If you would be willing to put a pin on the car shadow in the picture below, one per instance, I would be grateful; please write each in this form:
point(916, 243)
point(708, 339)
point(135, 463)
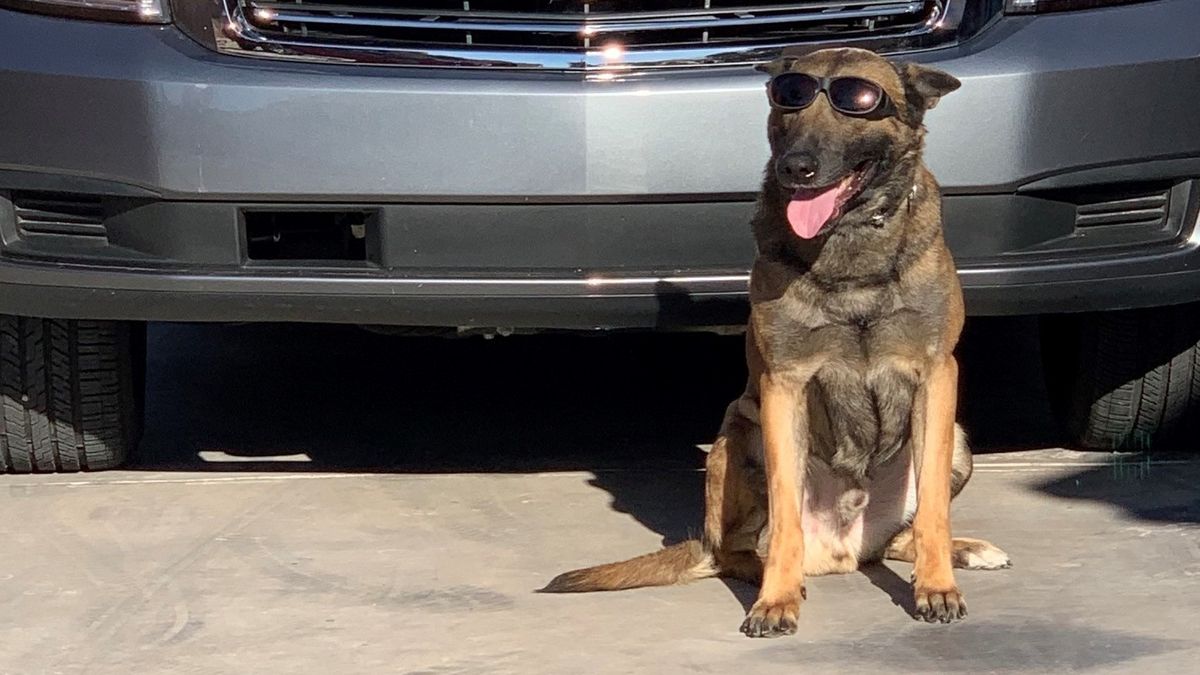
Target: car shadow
point(298, 397)
point(331, 398)
point(1149, 488)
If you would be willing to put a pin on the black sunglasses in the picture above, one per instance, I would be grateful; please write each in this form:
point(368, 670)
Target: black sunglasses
point(848, 95)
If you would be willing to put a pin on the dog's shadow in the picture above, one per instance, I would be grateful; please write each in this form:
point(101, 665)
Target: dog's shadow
point(885, 579)
point(671, 504)
point(881, 576)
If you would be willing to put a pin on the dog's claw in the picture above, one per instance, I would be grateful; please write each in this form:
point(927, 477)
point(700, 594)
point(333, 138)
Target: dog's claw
point(940, 606)
point(771, 620)
point(758, 627)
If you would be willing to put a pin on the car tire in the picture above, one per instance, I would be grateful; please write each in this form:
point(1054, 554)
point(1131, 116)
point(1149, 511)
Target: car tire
point(1127, 380)
point(70, 393)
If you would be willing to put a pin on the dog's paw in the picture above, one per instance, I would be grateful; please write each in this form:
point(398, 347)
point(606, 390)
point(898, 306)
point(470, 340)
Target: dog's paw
point(976, 554)
point(772, 619)
point(940, 605)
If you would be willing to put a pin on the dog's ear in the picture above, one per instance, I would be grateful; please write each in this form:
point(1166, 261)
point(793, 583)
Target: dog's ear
point(779, 65)
point(925, 86)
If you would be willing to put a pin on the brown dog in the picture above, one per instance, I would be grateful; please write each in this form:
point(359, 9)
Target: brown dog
point(844, 447)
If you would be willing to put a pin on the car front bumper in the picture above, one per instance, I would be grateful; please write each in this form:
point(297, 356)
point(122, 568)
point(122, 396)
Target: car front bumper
point(512, 199)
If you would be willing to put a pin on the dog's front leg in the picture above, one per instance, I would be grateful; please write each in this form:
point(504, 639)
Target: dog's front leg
point(937, 596)
point(784, 419)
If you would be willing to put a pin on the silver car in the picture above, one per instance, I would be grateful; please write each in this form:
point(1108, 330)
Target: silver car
point(495, 165)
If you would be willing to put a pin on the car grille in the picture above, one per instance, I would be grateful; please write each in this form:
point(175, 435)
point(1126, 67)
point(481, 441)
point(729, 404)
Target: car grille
point(568, 34)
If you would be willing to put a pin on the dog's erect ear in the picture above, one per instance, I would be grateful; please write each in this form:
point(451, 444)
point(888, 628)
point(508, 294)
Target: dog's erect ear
point(925, 86)
point(779, 65)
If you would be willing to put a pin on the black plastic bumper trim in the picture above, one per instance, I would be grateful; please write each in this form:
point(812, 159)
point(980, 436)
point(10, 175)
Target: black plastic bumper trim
point(663, 302)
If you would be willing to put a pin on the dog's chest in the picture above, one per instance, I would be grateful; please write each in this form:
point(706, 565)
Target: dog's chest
point(861, 328)
point(861, 355)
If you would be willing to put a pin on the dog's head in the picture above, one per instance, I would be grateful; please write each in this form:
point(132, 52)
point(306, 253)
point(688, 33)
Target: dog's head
point(836, 161)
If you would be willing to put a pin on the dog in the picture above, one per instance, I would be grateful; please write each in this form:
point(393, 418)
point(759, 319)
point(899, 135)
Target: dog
point(844, 447)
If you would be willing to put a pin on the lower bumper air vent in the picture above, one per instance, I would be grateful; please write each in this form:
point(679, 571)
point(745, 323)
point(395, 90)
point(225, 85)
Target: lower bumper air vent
point(45, 214)
point(1146, 206)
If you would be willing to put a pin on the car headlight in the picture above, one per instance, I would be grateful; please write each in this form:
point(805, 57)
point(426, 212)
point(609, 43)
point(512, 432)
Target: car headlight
point(131, 11)
point(1032, 6)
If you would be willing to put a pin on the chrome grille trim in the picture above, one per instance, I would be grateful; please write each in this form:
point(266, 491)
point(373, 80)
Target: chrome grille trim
point(242, 34)
point(587, 25)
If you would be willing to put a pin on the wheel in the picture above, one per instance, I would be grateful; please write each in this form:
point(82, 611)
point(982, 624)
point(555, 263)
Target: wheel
point(71, 393)
point(1127, 380)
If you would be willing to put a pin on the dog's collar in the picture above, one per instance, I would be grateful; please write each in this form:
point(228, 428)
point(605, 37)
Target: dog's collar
point(878, 218)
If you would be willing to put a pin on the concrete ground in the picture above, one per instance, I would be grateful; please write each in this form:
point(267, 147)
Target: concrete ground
point(315, 499)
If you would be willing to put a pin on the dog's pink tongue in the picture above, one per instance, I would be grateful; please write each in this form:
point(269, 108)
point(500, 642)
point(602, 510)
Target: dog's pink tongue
point(808, 212)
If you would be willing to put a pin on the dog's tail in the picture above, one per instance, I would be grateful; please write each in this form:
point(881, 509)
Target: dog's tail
point(678, 564)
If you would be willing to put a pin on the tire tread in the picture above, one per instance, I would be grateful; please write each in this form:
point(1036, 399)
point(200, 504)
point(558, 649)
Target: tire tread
point(66, 394)
point(1136, 377)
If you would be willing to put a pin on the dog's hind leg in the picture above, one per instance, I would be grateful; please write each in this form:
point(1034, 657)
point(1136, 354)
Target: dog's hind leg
point(735, 494)
point(966, 553)
point(962, 465)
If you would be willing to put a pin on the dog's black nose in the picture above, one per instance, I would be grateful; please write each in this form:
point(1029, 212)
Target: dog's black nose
point(796, 168)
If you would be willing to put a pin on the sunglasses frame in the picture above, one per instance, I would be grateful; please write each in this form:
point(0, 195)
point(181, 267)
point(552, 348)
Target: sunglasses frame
point(883, 107)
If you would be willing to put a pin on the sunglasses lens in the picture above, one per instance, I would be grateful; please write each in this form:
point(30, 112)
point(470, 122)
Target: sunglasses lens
point(855, 96)
point(794, 90)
